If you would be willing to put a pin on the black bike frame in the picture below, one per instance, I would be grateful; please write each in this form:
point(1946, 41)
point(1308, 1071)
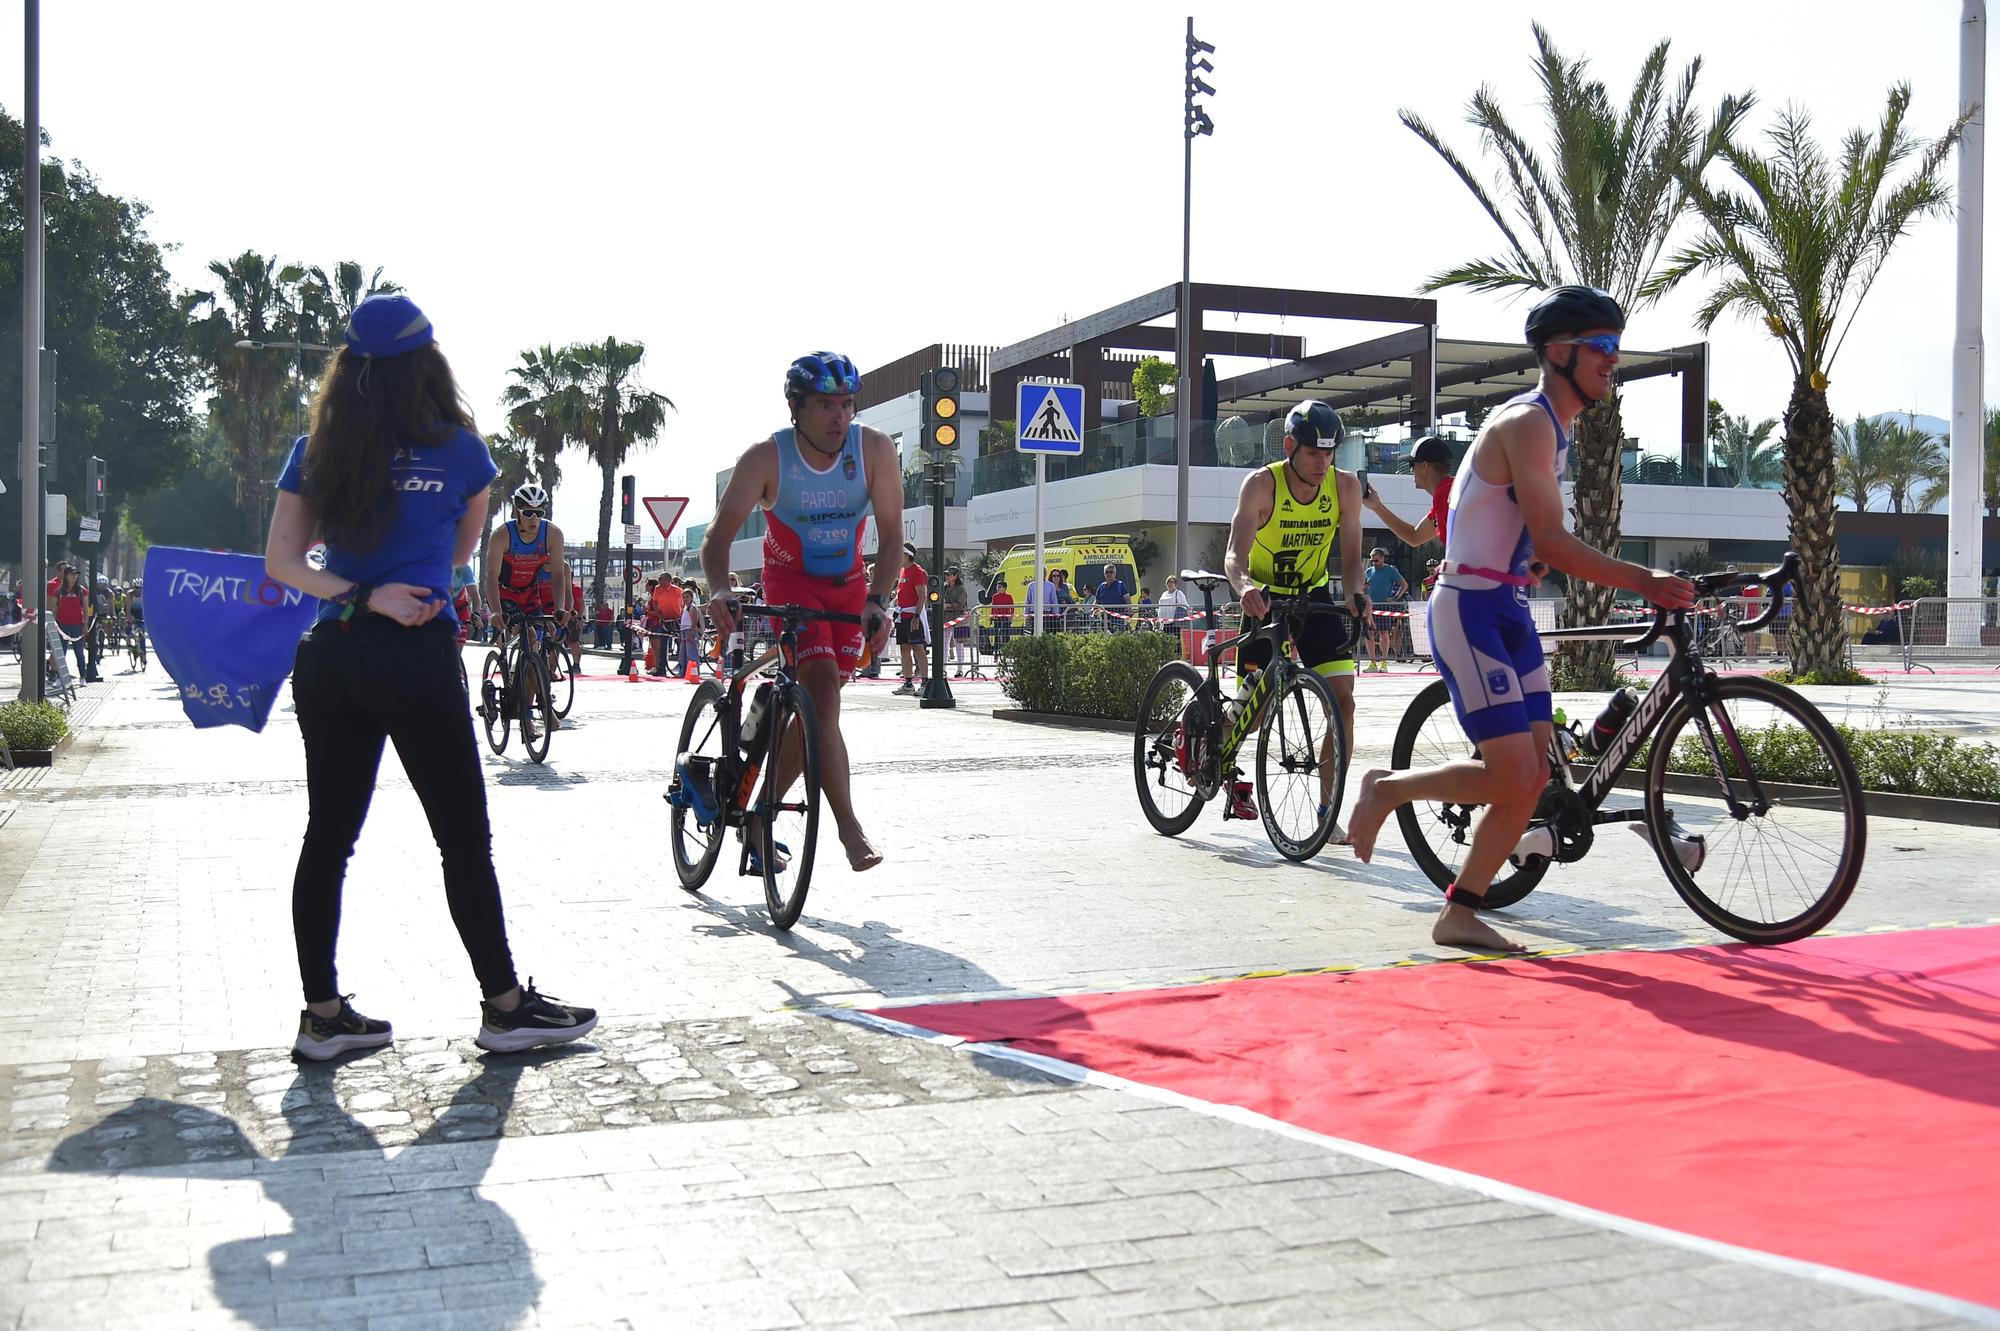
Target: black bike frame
point(1279, 630)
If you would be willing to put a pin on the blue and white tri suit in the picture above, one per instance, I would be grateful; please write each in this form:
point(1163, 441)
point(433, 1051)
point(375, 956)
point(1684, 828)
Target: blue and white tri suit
point(1482, 636)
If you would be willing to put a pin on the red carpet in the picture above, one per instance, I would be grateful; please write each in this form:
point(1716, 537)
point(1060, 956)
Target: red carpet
point(1836, 1101)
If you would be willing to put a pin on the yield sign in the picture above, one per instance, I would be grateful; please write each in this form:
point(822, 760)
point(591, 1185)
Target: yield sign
point(666, 512)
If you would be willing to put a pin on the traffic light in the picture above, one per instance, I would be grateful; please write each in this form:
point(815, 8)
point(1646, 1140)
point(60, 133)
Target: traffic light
point(627, 501)
point(93, 486)
point(940, 394)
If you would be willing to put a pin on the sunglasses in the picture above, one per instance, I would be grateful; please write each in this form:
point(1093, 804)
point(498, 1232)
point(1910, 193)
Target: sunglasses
point(528, 512)
point(1604, 344)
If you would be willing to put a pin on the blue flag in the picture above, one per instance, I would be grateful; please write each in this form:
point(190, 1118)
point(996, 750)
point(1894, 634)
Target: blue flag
point(224, 630)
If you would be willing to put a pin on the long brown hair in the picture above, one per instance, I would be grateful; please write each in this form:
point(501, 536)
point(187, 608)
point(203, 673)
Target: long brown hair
point(362, 413)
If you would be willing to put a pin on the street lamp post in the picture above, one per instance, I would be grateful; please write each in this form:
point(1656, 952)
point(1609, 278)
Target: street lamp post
point(33, 596)
point(1194, 121)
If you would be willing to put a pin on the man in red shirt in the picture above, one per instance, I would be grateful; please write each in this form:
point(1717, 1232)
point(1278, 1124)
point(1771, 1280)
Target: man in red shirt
point(912, 624)
point(1430, 468)
point(666, 608)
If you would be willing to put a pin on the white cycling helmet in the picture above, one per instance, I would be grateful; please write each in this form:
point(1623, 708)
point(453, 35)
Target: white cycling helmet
point(531, 495)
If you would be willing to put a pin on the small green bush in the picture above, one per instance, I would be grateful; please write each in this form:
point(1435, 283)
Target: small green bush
point(1841, 678)
point(32, 725)
point(1905, 762)
point(1085, 674)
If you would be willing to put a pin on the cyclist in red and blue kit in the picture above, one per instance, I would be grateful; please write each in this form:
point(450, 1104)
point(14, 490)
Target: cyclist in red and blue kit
point(818, 479)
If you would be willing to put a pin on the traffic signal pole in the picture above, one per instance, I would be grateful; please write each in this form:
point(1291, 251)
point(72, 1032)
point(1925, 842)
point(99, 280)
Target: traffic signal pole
point(939, 394)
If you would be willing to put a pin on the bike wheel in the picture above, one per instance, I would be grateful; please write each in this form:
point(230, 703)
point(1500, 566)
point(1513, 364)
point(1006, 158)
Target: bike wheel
point(1770, 875)
point(696, 761)
point(531, 695)
point(787, 824)
point(1439, 834)
point(562, 681)
point(1176, 724)
point(1300, 744)
point(495, 701)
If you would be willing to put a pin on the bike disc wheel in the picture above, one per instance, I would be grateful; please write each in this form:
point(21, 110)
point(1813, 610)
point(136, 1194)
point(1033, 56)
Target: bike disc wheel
point(695, 848)
point(788, 825)
point(1299, 745)
point(1174, 716)
point(495, 704)
point(1438, 834)
point(562, 682)
point(538, 718)
point(1773, 876)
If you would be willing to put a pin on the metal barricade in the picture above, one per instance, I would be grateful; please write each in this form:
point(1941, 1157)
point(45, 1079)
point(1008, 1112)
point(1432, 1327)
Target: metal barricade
point(1952, 630)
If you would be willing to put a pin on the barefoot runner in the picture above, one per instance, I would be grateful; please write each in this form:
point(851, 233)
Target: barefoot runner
point(1506, 514)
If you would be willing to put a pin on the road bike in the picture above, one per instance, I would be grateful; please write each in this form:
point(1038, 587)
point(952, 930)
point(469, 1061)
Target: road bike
point(1190, 731)
point(514, 689)
point(758, 774)
point(1762, 860)
point(135, 645)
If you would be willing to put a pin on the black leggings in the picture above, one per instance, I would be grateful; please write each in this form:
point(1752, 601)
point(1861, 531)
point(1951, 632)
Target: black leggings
point(353, 689)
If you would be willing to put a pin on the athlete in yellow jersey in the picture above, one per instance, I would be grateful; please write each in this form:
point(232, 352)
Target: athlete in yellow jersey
point(1282, 539)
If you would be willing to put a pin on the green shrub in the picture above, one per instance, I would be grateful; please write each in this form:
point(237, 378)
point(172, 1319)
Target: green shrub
point(32, 725)
point(1841, 678)
point(1905, 762)
point(1085, 674)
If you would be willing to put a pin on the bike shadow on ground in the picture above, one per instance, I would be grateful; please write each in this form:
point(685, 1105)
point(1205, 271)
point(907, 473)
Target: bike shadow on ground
point(340, 1189)
point(878, 958)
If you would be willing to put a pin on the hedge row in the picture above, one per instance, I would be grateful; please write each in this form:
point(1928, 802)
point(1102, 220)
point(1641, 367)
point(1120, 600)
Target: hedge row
point(1904, 762)
point(32, 725)
point(1085, 674)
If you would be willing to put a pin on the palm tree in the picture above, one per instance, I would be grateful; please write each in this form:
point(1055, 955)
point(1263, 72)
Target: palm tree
point(258, 301)
point(1740, 449)
point(1799, 250)
point(1858, 449)
point(1597, 210)
point(330, 301)
point(543, 406)
point(1911, 458)
point(617, 412)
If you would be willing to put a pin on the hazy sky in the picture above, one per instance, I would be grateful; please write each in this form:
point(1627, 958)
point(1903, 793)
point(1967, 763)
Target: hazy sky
point(733, 185)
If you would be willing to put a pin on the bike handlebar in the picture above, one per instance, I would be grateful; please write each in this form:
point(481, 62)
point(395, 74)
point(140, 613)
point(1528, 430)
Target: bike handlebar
point(1720, 584)
point(798, 613)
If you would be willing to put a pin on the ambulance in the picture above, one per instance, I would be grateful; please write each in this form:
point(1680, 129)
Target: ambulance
point(1082, 558)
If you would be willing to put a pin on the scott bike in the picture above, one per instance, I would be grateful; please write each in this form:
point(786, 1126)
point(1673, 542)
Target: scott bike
point(1763, 860)
point(1190, 731)
point(757, 773)
point(514, 689)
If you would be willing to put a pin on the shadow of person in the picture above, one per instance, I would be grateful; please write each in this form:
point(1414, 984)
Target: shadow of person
point(364, 1226)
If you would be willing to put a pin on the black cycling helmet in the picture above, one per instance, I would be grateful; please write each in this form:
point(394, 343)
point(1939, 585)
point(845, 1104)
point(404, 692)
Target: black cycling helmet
point(1313, 424)
point(1572, 309)
point(821, 372)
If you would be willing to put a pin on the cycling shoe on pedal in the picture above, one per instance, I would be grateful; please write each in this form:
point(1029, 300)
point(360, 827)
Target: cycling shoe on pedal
point(696, 789)
point(1242, 801)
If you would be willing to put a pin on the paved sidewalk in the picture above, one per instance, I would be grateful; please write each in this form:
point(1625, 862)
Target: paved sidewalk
point(714, 1156)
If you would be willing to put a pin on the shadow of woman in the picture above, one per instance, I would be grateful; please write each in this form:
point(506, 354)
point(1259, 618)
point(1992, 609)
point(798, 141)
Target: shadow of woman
point(363, 1225)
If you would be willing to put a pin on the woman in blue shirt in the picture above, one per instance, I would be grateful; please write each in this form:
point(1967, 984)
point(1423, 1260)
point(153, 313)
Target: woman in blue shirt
point(394, 480)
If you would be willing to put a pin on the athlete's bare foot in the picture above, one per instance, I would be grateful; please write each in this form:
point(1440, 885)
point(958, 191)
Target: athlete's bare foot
point(861, 856)
point(1460, 926)
point(1369, 812)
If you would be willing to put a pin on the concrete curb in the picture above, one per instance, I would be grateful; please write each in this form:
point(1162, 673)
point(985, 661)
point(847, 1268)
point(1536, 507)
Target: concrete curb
point(1105, 723)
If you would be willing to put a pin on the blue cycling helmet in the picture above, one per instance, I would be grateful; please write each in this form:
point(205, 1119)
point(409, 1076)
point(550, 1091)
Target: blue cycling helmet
point(821, 372)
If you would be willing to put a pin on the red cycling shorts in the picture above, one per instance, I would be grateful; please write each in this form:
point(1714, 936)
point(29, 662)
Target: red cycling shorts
point(839, 643)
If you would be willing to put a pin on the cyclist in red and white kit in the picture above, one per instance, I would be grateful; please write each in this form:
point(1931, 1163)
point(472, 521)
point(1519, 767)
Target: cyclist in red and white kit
point(526, 573)
point(818, 480)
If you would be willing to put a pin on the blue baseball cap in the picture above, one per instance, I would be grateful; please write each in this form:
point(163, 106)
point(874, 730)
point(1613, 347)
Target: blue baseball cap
point(388, 324)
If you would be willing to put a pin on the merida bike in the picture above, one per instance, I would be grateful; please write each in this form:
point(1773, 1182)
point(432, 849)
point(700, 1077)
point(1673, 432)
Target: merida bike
point(1190, 731)
point(1763, 860)
point(514, 689)
point(758, 774)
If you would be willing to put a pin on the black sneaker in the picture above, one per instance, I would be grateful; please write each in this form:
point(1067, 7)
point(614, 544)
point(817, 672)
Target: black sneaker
point(321, 1038)
point(538, 1021)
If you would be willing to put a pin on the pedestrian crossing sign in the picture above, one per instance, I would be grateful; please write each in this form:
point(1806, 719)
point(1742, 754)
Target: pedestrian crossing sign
point(1050, 418)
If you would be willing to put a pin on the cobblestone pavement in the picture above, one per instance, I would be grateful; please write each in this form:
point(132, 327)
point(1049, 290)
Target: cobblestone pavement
point(166, 1164)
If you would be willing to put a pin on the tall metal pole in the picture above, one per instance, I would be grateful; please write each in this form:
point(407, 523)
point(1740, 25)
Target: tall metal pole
point(1183, 342)
point(33, 573)
point(1968, 417)
point(937, 693)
